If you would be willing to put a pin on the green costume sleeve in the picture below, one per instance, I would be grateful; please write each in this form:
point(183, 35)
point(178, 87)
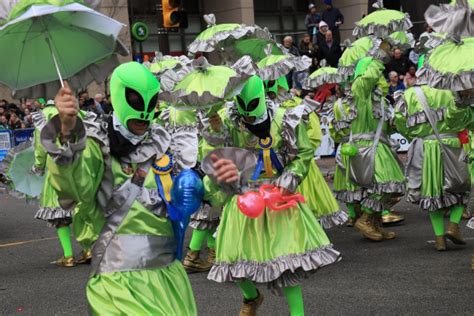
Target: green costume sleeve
point(213, 194)
point(314, 130)
point(40, 153)
point(77, 179)
point(400, 119)
point(295, 172)
point(363, 85)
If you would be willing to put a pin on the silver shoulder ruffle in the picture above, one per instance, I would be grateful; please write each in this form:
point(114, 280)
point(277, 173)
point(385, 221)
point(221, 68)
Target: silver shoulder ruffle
point(383, 30)
point(39, 119)
point(185, 146)
point(284, 66)
point(291, 119)
point(453, 19)
point(67, 153)
point(155, 145)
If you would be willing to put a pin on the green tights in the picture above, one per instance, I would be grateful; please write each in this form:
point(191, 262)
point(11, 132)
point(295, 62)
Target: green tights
point(351, 210)
point(64, 234)
point(293, 295)
point(198, 237)
point(437, 219)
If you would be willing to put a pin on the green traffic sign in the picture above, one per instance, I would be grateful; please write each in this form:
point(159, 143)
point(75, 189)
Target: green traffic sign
point(140, 31)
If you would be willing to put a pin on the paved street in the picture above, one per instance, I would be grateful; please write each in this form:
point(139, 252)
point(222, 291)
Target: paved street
point(405, 276)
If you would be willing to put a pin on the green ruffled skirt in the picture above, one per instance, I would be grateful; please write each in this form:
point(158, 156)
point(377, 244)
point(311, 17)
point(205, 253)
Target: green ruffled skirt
point(389, 179)
point(320, 199)
point(345, 190)
point(50, 210)
point(277, 248)
point(162, 291)
point(431, 196)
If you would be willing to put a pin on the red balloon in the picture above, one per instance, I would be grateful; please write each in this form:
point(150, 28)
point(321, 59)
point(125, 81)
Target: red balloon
point(251, 204)
point(275, 201)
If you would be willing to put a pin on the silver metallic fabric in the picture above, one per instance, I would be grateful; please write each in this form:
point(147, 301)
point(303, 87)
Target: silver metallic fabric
point(137, 252)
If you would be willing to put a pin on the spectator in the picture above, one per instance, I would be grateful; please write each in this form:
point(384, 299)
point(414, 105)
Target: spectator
point(98, 101)
point(399, 63)
point(333, 17)
point(15, 122)
point(290, 46)
point(104, 104)
point(427, 32)
point(394, 84)
point(330, 50)
point(311, 21)
point(2, 110)
point(314, 65)
point(89, 104)
point(3, 122)
point(410, 77)
point(321, 35)
point(28, 119)
point(306, 47)
point(3, 102)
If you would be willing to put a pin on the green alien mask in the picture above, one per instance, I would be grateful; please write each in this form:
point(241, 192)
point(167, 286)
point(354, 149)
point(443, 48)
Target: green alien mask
point(273, 85)
point(251, 100)
point(134, 93)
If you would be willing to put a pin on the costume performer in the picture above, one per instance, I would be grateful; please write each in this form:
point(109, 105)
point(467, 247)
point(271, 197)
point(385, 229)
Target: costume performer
point(205, 221)
point(277, 248)
point(122, 166)
point(50, 210)
point(314, 188)
point(375, 165)
point(429, 183)
point(346, 191)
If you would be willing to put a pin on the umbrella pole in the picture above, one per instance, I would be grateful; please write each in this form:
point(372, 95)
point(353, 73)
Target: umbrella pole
point(55, 61)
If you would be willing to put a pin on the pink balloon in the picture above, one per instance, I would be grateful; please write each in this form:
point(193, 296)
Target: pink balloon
point(275, 201)
point(251, 204)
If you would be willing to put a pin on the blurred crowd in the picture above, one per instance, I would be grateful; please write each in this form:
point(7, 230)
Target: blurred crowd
point(322, 44)
point(19, 116)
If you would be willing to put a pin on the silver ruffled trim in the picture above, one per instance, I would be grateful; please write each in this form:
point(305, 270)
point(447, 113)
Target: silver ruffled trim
point(38, 119)
point(351, 196)
point(383, 30)
point(346, 121)
point(284, 66)
point(288, 180)
point(243, 31)
point(335, 219)
point(374, 205)
point(436, 203)
point(420, 117)
point(277, 273)
point(348, 70)
point(205, 218)
point(318, 81)
point(445, 81)
point(181, 99)
point(453, 19)
point(54, 215)
point(388, 187)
